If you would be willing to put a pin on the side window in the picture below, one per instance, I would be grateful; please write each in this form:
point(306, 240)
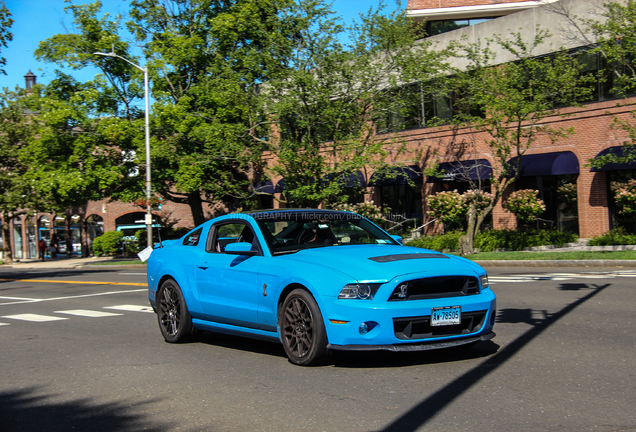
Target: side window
point(192, 239)
point(232, 233)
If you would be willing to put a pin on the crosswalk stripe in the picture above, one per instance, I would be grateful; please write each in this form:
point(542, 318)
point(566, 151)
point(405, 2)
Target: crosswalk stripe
point(34, 317)
point(132, 308)
point(88, 313)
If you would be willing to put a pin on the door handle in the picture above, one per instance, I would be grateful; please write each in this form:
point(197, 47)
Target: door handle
point(203, 267)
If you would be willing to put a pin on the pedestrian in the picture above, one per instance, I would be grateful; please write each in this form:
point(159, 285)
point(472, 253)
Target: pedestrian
point(42, 246)
point(53, 247)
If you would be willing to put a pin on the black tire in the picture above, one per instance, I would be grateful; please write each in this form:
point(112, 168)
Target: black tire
point(302, 329)
point(174, 319)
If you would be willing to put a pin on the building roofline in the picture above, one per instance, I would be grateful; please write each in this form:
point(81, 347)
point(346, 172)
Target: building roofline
point(490, 10)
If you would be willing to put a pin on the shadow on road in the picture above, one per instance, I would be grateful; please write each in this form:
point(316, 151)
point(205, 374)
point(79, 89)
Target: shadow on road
point(29, 410)
point(424, 411)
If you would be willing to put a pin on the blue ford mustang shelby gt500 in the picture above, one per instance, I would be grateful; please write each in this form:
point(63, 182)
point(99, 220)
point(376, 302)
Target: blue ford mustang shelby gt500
point(316, 280)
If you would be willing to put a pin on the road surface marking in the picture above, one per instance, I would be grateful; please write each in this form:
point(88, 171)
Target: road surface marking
point(88, 313)
point(33, 317)
point(18, 298)
point(132, 308)
point(73, 297)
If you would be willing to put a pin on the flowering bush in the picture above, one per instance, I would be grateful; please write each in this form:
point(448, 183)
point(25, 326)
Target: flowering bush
point(625, 196)
point(447, 206)
point(480, 198)
point(525, 204)
point(367, 209)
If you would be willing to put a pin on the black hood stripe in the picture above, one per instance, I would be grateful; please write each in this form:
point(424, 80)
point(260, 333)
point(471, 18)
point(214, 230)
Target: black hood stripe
point(401, 257)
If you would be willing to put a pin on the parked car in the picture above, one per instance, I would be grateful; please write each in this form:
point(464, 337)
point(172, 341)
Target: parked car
point(316, 280)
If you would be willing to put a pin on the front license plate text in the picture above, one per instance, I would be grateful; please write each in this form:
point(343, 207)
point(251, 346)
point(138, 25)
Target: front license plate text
point(446, 316)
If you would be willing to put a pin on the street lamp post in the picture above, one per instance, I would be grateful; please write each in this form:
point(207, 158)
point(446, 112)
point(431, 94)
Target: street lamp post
point(148, 177)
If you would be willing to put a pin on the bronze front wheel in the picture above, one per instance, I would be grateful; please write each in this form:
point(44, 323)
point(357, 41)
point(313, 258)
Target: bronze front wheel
point(302, 329)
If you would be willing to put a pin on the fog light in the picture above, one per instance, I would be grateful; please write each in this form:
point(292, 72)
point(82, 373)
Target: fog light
point(363, 329)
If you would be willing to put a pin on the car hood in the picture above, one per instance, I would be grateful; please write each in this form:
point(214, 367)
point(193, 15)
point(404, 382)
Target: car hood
point(382, 263)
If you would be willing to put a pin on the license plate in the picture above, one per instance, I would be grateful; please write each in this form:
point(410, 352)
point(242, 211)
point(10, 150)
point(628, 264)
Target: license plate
point(446, 316)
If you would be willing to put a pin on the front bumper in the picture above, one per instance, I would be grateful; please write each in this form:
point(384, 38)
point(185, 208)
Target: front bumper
point(422, 346)
point(385, 323)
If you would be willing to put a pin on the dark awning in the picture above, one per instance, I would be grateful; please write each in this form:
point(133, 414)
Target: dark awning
point(463, 171)
point(618, 151)
point(280, 186)
point(347, 180)
point(546, 164)
point(397, 176)
point(264, 187)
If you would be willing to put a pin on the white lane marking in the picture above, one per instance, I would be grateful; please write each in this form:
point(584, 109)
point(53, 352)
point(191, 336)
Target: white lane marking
point(88, 313)
point(132, 308)
point(33, 317)
point(560, 276)
point(18, 298)
point(76, 297)
point(1, 324)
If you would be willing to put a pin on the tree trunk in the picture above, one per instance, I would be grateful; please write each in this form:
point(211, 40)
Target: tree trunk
point(6, 237)
point(196, 207)
point(467, 241)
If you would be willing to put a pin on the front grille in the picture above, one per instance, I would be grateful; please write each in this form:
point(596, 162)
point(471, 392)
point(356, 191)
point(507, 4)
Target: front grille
point(420, 327)
point(436, 287)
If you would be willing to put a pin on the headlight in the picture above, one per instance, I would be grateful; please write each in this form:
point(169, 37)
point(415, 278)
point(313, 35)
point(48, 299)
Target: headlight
point(359, 291)
point(483, 280)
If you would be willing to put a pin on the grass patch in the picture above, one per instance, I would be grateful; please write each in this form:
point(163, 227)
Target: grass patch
point(556, 256)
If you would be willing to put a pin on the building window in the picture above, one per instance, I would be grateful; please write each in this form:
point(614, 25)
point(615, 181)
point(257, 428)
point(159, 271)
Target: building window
point(411, 107)
point(559, 194)
point(438, 27)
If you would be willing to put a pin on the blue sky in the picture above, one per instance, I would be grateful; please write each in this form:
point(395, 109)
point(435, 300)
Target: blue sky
point(37, 20)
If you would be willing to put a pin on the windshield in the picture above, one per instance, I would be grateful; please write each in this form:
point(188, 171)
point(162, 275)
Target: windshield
point(291, 232)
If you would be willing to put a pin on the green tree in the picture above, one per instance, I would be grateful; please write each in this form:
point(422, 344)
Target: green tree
point(323, 111)
point(206, 60)
point(5, 35)
point(507, 103)
point(75, 155)
point(17, 193)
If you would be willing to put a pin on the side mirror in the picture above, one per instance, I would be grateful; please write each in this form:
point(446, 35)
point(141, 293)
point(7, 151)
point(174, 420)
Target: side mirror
point(397, 238)
point(240, 248)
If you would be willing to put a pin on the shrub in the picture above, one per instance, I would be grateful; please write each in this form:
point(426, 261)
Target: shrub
point(614, 237)
point(517, 240)
point(448, 206)
point(367, 209)
point(108, 243)
point(496, 239)
point(441, 243)
point(525, 204)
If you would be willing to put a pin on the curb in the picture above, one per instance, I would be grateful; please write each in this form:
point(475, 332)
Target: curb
point(556, 263)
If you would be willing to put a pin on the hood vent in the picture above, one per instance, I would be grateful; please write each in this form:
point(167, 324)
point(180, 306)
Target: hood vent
point(402, 257)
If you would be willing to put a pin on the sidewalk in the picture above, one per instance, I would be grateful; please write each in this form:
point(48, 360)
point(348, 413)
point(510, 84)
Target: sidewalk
point(75, 262)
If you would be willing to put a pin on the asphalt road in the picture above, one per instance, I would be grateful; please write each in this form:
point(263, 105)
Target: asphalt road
point(563, 360)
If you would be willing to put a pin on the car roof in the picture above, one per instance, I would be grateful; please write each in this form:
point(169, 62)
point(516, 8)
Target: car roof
point(300, 213)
